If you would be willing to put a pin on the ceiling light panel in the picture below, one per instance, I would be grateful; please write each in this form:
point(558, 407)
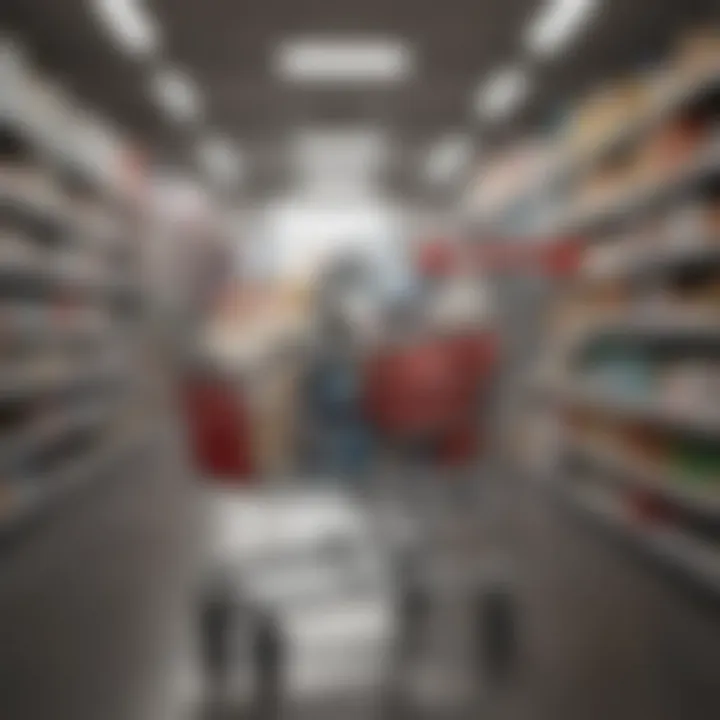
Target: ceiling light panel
point(557, 23)
point(130, 25)
point(177, 94)
point(448, 157)
point(343, 60)
point(220, 159)
point(502, 93)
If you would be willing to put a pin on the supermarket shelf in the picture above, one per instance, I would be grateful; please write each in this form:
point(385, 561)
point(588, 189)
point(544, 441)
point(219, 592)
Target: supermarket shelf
point(96, 169)
point(23, 280)
point(665, 108)
point(630, 471)
point(54, 213)
point(26, 281)
point(61, 287)
point(28, 329)
point(607, 402)
point(661, 261)
point(39, 496)
point(685, 558)
point(704, 165)
point(27, 443)
point(694, 255)
point(106, 457)
point(671, 326)
point(23, 384)
point(578, 164)
point(42, 207)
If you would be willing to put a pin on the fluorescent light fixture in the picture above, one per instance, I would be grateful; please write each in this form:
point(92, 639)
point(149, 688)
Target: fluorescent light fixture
point(449, 156)
point(502, 93)
point(177, 94)
point(130, 24)
point(220, 159)
point(557, 22)
point(352, 59)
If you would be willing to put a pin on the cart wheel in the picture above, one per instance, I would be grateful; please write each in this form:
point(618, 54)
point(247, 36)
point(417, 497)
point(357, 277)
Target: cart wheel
point(217, 613)
point(495, 632)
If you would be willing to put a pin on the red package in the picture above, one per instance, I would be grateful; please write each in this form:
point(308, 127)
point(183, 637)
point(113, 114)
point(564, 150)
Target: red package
point(219, 430)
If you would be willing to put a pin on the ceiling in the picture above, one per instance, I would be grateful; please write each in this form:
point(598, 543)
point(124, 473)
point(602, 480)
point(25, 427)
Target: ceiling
point(226, 45)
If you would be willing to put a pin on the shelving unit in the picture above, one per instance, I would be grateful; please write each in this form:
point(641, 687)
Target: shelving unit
point(566, 166)
point(629, 203)
point(670, 98)
point(69, 370)
point(681, 254)
point(627, 471)
point(631, 375)
point(694, 562)
point(689, 420)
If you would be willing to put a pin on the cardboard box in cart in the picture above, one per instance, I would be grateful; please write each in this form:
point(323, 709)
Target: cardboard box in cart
point(255, 339)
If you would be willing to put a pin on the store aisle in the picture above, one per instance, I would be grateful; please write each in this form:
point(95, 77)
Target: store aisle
point(102, 624)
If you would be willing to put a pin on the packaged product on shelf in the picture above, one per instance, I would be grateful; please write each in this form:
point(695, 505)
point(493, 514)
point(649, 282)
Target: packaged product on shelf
point(695, 462)
point(692, 225)
point(712, 218)
point(646, 446)
point(17, 251)
point(626, 373)
point(602, 187)
point(647, 236)
point(81, 265)
point(609, 259)
point(24, 182)
point(19, 321)
point(697, 55)
point(659, 304)
point(91, 221)
point(699, 297)
point(691, 384)
point(7, 499)
point(604, 114)
point(604, 301)
point(669, 147)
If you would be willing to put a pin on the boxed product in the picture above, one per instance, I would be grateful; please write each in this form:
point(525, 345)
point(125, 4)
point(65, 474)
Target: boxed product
point(607, 112)
point(697, 54)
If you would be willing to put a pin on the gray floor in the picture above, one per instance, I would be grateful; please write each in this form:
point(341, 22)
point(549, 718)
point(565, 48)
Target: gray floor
point(95, 610)
point(92, 600)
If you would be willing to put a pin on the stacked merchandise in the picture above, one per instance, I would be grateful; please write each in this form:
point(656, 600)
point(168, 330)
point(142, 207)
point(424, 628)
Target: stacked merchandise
point(252, 351)
point(642, 140)
point(632, 350)
point(66, 300)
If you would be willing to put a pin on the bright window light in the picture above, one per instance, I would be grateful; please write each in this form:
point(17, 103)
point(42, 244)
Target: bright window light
point(502, 93)
point(557, 23)
point(130, 25)
point(343, 60)
point(343, 148)
point(177, 94)
point(220, 160)
point(303, 234)
point(448, 157)
point(339, 161)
